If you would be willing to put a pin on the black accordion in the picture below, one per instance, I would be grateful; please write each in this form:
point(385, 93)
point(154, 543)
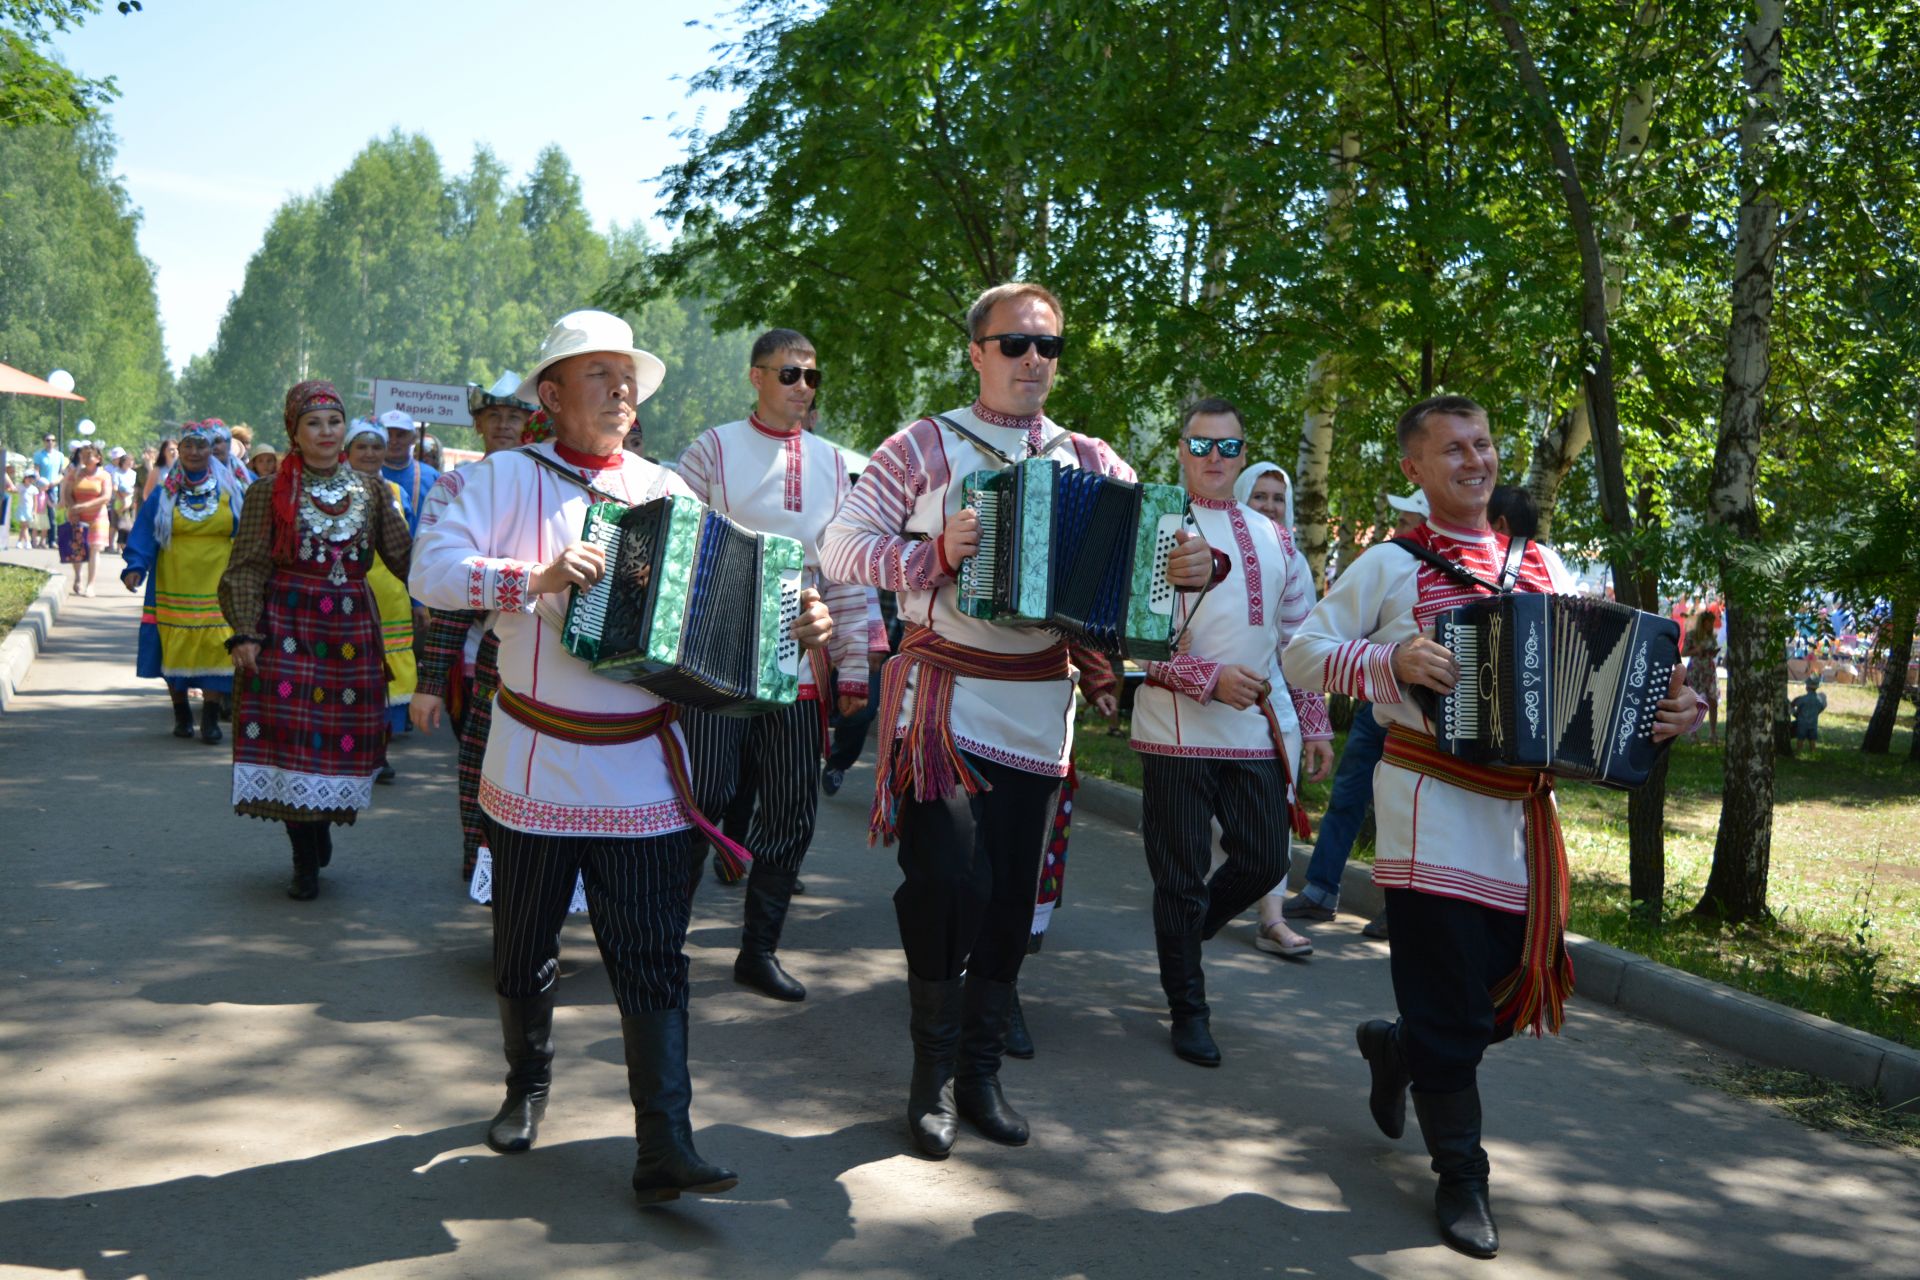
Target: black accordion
point(1567, 684)
point(1082, 554)
point(692, 607)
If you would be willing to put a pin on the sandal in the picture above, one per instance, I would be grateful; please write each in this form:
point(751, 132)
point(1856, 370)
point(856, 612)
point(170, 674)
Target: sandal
point(1276, 939)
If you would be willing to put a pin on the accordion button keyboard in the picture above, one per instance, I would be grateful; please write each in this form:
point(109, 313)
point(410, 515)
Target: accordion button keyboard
point(592, 609)
point(1160, 594)
point(786, 651)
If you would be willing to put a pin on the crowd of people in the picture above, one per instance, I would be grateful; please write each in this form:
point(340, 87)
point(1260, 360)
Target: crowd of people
point(330, 593)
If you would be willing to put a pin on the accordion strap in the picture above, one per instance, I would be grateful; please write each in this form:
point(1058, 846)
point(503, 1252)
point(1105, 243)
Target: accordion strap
point(1535, 993)
point(1509, 572)
point(995, 450)
point(655, 490)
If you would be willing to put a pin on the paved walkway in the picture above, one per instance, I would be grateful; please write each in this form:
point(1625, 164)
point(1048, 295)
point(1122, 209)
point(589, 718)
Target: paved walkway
point(206, 1080)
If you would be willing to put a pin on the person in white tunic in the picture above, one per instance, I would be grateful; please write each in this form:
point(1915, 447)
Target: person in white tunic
point(979, 716)
point(583, 775)
point(1469, 856)
point(771, 474)
point(1217, 730)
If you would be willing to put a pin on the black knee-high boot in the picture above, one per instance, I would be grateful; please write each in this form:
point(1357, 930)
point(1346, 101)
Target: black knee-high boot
point(938, 1008)
point(526, 1027)
point(182, 714)
point(305, 885)
point(1450, 1122)
point(210, 717)
point(769, 892)
point(1019, 1039)
point(1379, 1043)
point(976, 1086)
point(1186, 987)
point(662, 1093)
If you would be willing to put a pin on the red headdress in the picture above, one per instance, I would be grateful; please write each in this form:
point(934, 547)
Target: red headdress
point(302, 397)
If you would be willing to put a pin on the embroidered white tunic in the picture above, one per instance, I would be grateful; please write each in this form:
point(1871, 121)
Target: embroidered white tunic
point(887, 535)
point(507, 516)
point(790, 483)
point(1243, 621)
point(1432, 836)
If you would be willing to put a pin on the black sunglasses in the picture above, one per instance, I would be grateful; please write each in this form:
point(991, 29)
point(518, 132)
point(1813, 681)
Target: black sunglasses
point(1201, 446)
point(792, 373)
point(1014, 345)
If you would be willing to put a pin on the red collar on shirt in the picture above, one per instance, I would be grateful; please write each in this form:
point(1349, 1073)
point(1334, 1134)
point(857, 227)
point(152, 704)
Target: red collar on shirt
point(753, 420)
point(589, 461)
point(1211, 504)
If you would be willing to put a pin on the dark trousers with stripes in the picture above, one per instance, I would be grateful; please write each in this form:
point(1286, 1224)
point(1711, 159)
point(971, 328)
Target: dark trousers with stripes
point(769, 763)
point(637, 900)
point(1183, 794)
point(972, 863)
point(1446, 955)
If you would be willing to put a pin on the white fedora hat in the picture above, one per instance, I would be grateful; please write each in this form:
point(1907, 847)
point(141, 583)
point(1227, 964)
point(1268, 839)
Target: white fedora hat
point(580, 333)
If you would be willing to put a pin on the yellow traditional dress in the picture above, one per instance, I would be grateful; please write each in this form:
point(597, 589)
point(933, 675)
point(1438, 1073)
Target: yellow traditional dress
point(182, 634)
point(396, 633)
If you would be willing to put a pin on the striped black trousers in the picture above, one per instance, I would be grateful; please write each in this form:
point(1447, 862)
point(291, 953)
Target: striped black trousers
point(767, 763)
point(1183, 794)
point(637, 900)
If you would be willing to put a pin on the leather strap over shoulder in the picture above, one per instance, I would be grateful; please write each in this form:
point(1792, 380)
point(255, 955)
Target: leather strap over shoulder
point(1509, 571)
point(995, 450)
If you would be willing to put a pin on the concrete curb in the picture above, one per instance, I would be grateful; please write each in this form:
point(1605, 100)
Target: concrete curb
point(1709, 1011)
point(24, 642)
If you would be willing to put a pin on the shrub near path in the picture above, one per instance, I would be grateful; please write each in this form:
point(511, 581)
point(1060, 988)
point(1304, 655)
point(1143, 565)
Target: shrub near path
point(1845, 883)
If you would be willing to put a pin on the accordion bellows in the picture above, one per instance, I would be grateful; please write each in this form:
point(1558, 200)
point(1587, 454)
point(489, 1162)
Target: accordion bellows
point(1568, 684)
point(1080, 553)
point(693, 607)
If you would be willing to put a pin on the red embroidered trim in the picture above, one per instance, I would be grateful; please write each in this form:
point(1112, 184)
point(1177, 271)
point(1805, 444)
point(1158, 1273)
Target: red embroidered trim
point(590, 461)
point(994, 417)
point(1250, 566)
point(793, 472)
point(524, 813)
point(999, 755)
point(1449, 882)
point(1147, 748)
point(753, 420)
point(1211, 504)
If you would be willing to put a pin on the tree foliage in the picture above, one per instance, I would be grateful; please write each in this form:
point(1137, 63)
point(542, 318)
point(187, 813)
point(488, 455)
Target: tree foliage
point(74, 291)
point(35, 88)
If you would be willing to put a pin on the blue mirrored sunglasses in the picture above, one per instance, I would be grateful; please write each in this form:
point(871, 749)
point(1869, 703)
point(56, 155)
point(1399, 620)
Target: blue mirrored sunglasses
point(1201, 446)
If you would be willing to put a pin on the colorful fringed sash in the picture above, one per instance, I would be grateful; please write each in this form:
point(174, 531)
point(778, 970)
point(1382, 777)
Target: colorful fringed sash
point(1536, 991)
point(588, 729)
point(926, 758)
point(1296, 812)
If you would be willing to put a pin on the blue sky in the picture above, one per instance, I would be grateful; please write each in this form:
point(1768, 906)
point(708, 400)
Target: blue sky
point(226, 109)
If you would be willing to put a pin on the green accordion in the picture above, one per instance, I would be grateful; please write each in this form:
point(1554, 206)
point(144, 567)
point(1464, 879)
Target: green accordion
point(1082, 554)
point(693, 607)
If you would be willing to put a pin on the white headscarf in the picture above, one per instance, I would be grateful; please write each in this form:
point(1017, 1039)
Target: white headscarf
point(1243, 487)
point(363, 427)
point(224, 478)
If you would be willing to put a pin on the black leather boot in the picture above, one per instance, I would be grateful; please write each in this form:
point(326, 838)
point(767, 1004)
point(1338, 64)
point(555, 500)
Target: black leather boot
point(1186, 987)
point(976, 1086)
point(182, 714)
point(305, 885)
point(323, 843)
point(210, 717)
point(935, 1027)
point(1379, 1043)
point(768, 894)
point(526, 1028)
point(1019, 1039)
point(1450, 1122)
point(662, 1092)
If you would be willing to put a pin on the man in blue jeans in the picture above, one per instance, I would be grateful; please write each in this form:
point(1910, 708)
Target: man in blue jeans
point(1346, 810)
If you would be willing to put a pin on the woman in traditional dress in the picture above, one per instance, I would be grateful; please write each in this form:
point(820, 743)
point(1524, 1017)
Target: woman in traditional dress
point(1703, 668)
point(178, 546)
point(310, 685)
point(366, 452)
point(86, 493)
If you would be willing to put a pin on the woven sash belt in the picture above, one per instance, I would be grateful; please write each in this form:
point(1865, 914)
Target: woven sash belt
point(590, 730)
point(926, 759)
point(1536, 992)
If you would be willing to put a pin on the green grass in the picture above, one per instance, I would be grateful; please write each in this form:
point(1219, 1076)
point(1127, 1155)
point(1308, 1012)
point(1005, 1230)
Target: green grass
point(1822, 1104)
point(18, 586)
point(1845, 882)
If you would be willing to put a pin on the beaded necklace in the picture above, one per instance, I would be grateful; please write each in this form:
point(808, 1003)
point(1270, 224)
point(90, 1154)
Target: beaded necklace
point(198, 500)
point(333, 520)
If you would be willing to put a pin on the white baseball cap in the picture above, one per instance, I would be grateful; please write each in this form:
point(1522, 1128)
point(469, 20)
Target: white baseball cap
point(1414, 503)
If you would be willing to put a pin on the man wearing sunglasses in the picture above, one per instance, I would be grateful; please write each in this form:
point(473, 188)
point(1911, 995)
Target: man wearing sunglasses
point(773, 476)
point(978, 717)
point(1217, 730)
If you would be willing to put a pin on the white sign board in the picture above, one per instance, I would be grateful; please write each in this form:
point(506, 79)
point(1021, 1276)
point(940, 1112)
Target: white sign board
point(422, 401)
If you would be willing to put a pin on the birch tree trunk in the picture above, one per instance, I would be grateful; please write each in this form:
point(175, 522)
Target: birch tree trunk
point(1737, 886)
point(1554, 453)
point(1310, 511)
point(1893, 684)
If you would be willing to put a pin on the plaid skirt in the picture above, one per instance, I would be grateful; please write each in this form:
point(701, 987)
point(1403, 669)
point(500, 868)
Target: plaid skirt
point(308, 734)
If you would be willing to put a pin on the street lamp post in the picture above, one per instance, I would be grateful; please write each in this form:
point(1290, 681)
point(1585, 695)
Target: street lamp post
point(61, 380)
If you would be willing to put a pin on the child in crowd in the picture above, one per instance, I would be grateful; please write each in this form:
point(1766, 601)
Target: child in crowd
point(1806, 714)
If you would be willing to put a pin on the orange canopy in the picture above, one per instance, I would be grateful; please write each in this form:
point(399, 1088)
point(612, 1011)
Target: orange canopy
point(15, 383)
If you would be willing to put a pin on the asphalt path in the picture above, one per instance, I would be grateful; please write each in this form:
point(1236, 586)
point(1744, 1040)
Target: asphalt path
point(205, 1079)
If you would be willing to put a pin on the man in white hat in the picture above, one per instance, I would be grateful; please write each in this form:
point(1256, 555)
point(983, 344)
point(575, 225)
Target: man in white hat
point(583, 776)
point(767, 472)
point(414, 477)
point(971, 765)
point(459, 657)
point(1414, 510)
